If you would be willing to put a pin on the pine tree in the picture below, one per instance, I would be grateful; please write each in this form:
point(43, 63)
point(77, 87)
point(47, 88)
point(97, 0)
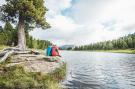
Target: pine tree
point(25, 11)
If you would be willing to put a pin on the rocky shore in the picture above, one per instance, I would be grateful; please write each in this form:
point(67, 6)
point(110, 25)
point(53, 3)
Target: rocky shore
point(36, 63)
point(30, 71)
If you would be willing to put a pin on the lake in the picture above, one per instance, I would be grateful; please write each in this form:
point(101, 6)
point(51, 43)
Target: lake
point(99, 70)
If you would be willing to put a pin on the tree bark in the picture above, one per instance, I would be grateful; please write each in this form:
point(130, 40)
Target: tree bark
point(21, 35)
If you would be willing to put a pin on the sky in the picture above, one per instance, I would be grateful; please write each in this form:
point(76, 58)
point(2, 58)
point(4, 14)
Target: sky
point(81, 22)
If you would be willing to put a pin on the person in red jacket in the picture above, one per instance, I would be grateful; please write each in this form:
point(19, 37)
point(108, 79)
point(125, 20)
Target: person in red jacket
point(55, 51)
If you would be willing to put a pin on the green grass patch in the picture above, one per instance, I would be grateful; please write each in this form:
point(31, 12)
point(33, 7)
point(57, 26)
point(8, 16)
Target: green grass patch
point(3, 46)
point(16, 77)
point(129, 51)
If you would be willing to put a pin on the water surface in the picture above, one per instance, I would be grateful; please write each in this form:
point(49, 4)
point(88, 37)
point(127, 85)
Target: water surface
point(99, 70)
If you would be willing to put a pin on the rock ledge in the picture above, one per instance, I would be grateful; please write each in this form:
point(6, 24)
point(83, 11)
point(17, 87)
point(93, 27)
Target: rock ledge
point(36, 63)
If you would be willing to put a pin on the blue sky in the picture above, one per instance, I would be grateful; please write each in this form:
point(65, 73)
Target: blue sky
point(86, 21)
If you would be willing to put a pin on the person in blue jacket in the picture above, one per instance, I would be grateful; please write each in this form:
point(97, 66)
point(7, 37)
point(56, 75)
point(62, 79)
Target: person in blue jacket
point(48, 51)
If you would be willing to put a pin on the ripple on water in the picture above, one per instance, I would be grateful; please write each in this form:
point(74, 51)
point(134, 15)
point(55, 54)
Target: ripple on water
point(93, 70)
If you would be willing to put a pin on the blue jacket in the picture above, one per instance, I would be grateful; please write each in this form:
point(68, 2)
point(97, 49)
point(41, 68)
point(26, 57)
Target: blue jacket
point(48, 51)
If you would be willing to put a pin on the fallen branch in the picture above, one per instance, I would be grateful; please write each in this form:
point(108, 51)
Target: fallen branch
point(11, 48)
point(6, 52)
point(24, 52)
point(6, 56)
point(3, 53)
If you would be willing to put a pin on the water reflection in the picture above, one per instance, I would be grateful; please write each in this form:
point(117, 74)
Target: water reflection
point(97, 70)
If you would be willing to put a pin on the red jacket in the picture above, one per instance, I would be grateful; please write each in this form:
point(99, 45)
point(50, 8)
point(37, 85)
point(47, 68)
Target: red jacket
point(55, 51)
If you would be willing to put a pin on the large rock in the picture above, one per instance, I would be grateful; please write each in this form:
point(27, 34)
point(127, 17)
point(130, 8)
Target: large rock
point(36, 63)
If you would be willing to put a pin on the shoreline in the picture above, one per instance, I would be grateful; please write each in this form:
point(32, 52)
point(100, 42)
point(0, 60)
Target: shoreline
point(126, 51)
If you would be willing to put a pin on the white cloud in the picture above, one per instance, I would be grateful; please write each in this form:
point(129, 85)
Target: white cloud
point(56, 6)
point(61, 26)
point(87, 21)
point(61, 31)
point(2, 2)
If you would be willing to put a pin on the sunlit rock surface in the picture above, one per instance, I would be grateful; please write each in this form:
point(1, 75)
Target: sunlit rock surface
point(36, 63)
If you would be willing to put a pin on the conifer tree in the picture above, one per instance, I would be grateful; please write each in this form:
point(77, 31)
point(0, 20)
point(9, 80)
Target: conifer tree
point(22, 12)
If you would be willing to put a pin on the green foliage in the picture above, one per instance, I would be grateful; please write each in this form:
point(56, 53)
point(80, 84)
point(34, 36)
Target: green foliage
point(16, 78)
point(126, 42)
point(31, 11)
point(37, 44)
point(58, 74)
point(70, 48)
point(8, 37)
point(27, 13)
point(8, 27)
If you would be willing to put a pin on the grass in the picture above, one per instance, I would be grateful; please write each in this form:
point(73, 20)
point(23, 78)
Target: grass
point(129, 51)
point(2, 47)
point(16, 77)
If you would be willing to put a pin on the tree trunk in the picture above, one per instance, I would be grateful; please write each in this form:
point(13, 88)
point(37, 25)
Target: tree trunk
point(21, 35)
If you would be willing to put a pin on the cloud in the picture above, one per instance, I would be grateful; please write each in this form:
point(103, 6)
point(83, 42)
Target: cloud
point(87, 21)
point(56, 6)
point(61, 31)
point(99, 10)
point(84, 22)
point(130, 27)
point(2, 2)
point(62, 26)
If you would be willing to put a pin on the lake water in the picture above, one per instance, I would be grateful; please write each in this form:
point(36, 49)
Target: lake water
point(99, 70)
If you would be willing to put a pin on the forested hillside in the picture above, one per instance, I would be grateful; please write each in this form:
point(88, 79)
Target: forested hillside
point(8, 36)
point(126, 42)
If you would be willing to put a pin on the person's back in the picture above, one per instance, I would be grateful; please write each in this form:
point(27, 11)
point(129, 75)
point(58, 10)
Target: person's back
point(48, 51)
point(55, 51)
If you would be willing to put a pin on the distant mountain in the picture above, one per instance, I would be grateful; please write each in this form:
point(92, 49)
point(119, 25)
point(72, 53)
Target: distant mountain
point(67, 47)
